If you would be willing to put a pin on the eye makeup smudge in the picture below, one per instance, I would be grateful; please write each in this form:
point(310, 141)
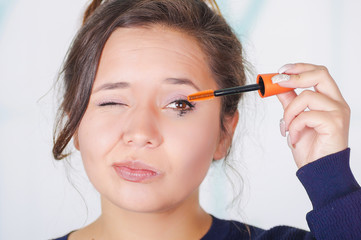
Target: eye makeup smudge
point(182, 106)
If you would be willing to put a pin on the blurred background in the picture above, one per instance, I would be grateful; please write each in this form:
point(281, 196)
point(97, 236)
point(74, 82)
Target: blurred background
point(42, 199)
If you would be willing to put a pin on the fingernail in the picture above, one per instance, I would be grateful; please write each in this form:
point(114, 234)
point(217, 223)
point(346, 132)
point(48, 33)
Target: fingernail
point(280, 78)
point(289, 142)
point(283, 127)
point(285, 68)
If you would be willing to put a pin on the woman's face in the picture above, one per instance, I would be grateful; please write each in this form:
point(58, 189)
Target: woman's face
point(144, 147)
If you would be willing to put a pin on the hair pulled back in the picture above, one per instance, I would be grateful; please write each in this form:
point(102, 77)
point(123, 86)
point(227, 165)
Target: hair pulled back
point(221, 47)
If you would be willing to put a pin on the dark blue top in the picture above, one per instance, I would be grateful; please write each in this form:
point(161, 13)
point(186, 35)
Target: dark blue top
point(336, 200)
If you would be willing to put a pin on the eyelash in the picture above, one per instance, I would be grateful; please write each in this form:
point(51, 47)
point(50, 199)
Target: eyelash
point(104, 104)
point(182, 112)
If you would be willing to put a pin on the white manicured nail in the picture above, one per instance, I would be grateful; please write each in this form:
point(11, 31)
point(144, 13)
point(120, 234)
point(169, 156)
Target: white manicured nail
point(286, 67)
point(283, 127)
point(289, 142)
point(280, 78)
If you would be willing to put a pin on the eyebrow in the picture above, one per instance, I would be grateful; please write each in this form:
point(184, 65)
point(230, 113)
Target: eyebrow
point(122, 85)
point(182, 81)
point(110, 86)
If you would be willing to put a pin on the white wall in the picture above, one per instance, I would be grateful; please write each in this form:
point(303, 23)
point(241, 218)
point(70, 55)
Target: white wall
point(36, 199)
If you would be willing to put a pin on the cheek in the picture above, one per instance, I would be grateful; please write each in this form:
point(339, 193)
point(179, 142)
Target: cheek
point(193, 146)
point(97, 135)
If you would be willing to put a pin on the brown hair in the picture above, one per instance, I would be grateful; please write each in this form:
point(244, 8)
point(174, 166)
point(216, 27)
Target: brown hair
point(193, 17)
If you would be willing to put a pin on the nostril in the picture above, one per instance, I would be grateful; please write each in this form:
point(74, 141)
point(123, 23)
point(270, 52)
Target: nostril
point(139, 140)
point(141, 132)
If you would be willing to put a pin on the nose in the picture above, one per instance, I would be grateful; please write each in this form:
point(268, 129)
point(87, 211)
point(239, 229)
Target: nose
point(142, 129)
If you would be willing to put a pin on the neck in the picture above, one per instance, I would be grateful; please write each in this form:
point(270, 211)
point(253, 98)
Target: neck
point(187, 220)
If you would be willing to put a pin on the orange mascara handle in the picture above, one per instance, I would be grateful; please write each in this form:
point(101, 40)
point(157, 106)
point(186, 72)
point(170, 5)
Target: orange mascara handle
point(268, 88)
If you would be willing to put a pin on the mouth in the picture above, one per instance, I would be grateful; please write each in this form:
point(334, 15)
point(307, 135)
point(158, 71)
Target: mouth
point(136, 171)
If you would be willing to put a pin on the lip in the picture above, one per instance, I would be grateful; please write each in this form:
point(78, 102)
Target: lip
point(136, 171)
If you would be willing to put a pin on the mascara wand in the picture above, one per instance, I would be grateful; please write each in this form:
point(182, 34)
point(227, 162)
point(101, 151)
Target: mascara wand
point(266, 86)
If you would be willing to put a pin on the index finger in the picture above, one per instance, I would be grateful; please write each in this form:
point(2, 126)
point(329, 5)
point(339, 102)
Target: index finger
point(308, 75)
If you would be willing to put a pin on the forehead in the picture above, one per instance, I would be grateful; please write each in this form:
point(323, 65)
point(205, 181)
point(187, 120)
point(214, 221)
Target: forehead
point(153, 50)
point(154, 37)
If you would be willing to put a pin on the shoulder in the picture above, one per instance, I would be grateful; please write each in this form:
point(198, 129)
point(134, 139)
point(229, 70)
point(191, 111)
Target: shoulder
point(234, 230)
point(63, 237)
point(74, 234)
point(285, 232)
point(88, 232)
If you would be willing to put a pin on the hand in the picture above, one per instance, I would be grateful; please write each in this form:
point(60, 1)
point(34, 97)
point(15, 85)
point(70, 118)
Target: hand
point(317, 121)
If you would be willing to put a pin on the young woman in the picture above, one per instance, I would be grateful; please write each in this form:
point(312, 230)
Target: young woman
point(146, 148)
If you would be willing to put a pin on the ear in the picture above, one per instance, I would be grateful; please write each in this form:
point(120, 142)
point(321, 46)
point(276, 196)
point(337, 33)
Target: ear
point(225, 141)
point(76, 140)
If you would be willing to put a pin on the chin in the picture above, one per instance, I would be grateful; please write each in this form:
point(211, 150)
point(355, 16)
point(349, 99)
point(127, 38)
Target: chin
point(145, 206)
point(140, 203)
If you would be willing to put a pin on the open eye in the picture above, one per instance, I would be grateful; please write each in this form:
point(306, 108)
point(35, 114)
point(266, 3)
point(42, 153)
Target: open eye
point(181, 105)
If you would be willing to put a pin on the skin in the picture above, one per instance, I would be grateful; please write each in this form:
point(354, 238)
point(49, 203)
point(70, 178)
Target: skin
point(146, 126)
point(143, 123)
point(323, 129)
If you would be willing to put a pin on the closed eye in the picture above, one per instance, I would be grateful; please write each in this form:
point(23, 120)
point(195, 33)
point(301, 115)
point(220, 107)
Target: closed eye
point(104, 104)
